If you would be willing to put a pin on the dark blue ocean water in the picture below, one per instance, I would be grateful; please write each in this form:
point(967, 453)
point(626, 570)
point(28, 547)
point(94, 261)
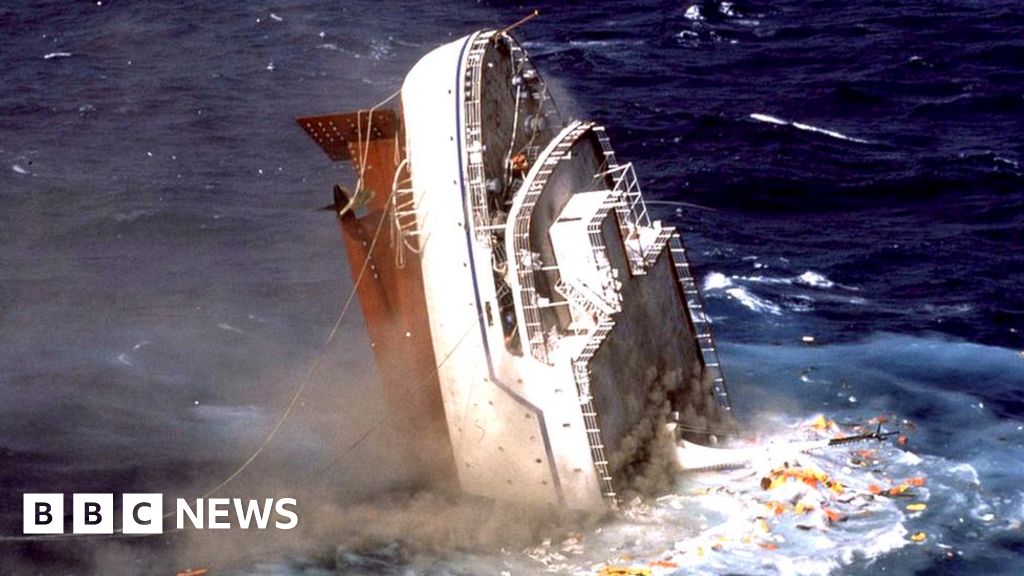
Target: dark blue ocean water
point(165, 280)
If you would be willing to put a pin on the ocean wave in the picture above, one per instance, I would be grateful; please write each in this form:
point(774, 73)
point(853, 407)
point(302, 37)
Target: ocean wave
point(716, 281)
point(809, 278)
point(814, 279)
point(752, 301)
point(807, 127)
point(764, 279)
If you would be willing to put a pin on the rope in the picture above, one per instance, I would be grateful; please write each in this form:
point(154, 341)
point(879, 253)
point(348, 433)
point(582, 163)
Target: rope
point(365, 151)
point(679, 204)
point(406, 401)
point(304, 382)
point(330, 337)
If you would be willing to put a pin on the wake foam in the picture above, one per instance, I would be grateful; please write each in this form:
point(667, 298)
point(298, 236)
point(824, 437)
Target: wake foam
point(807, 127)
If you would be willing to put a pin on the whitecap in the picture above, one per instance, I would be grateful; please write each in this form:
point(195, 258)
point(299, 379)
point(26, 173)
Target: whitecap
point(811, 278)
point(276, 18)
point(769, 119)
point(53, 55)
point(18, 169)
point(831, 133)
point(753, 302)
point(765, 279)
point(920, 61)
point(1007, 161)
point(230, 328)
point(716, 281)
point(807, 127)
point(693, 13)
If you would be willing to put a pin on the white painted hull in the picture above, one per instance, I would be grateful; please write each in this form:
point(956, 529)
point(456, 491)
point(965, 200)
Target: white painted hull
point(523, 423)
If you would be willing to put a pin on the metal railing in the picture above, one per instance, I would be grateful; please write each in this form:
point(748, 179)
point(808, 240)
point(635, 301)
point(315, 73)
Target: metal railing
point(533, 331)
point(474, 136)
point(701, 322)
point(633, 216)
point(595, 438)
point(404, 230)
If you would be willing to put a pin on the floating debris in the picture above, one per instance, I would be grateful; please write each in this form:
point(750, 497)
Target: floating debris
point(623, 571)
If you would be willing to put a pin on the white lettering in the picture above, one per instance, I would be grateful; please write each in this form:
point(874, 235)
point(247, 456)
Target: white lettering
point(218, 508)
point(183, 509)
point(253, 510)
point(281, 509)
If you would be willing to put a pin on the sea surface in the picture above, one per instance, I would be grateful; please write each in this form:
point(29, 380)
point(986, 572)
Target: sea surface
point(845, 171)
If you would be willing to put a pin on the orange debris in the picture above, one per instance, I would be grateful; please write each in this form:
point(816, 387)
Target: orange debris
point(623, 571)
point(916, 481)
point(874, 489)
point(662, 564)
point(901, 440)
point(769, 545)
point(897, 490)
point(822, 423)
point(918, 536)
point(832, 515)
point(520, 163)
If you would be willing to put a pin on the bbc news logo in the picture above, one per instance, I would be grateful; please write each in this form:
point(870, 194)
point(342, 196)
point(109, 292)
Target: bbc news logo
point(144, 514)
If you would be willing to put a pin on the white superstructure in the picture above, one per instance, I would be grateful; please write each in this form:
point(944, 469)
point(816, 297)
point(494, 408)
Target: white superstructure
point(566, 328)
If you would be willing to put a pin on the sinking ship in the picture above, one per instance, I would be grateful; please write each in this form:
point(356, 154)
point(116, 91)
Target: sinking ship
point(540, 338)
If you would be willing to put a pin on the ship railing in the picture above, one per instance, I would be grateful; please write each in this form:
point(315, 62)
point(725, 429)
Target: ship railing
point(583, 299)
point(526, 265)
point(599, 253)
point(403, 213)
point(653, 249)
point(701, 322)
point(632, 211)
point(610, 163)
point(595, 438)
point(474, 136)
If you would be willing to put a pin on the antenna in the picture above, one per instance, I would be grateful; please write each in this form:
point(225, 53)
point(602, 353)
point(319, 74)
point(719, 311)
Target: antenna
point(517, 24)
